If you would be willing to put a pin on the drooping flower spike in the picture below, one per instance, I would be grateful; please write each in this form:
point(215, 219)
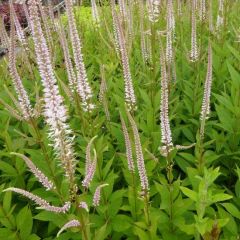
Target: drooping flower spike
point(97, 195)
point(70, 224)
point(43, 204)
point(37, 173)
point(139, 155)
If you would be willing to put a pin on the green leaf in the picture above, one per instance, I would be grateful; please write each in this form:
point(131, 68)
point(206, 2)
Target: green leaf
point(220, 197)
point(24, 222)
point(232, 209)
point(189, 193)
point(101, 233)
point(121, 223)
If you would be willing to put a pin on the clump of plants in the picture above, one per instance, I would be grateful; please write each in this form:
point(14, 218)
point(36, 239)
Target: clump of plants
point(121, 121)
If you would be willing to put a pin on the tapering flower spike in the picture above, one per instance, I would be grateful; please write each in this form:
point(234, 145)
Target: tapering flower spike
point(207, 93)
point(202, 10)
point(43, 204)
point(19, 30)
point(94, 9)
point(165, 122)
point(115, 27)
point(54, 110)
point(130, 98)
point(90, 166)
point(194, 53)
point(37, 173)
point(128, 146)
point(23, 99)
point(153, 10)
point(90, 171)
point(144, 48)
point(139, 155)
point(70, 224)
point(97, 195)
point(170, 32)
point(166, 139)
point(69, 66)
point(83, 88)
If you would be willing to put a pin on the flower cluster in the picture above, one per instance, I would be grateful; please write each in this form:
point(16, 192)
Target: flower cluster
point(70, 224)
point(83, 87)
point(128, 146)
point(97, 195)
point(129, 91)
point(139, 155)
point(54, 109)
point(153, 10)
point(207, 93)
point(194, 54)
point(23, 99)
point(43, 204)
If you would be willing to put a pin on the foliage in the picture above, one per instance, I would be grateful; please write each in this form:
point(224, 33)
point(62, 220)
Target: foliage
point(198, 198)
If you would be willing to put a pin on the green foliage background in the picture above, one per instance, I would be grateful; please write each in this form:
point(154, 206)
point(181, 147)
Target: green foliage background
point(202, 198)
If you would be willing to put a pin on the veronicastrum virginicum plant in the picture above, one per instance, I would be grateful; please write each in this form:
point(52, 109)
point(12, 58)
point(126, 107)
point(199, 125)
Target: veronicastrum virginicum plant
point(106, 119)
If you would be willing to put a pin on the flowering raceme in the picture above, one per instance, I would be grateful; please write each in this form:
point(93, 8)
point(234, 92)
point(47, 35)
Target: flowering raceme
point(83, 87)
point(54, 110)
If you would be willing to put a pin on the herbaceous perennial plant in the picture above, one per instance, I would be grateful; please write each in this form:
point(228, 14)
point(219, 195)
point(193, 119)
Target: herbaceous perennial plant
point(112, 108)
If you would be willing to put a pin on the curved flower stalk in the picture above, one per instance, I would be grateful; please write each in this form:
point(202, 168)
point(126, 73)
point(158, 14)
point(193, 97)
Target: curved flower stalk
point(54, 109)
point(128, 146)
point(207, 93)
point(43, 204)
point(153, 10)
point(139, 155)
point(130, 98)
point(84, 206)
point(194, 53)
point(70, 224)
point(90, 166)
point(220, 19)
point(90, 170)
point(94, 9)
point(202, 10)
point(83, 87)
point(36, 172)
point(25, 110)
point(69, 66)
point(97, 195)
